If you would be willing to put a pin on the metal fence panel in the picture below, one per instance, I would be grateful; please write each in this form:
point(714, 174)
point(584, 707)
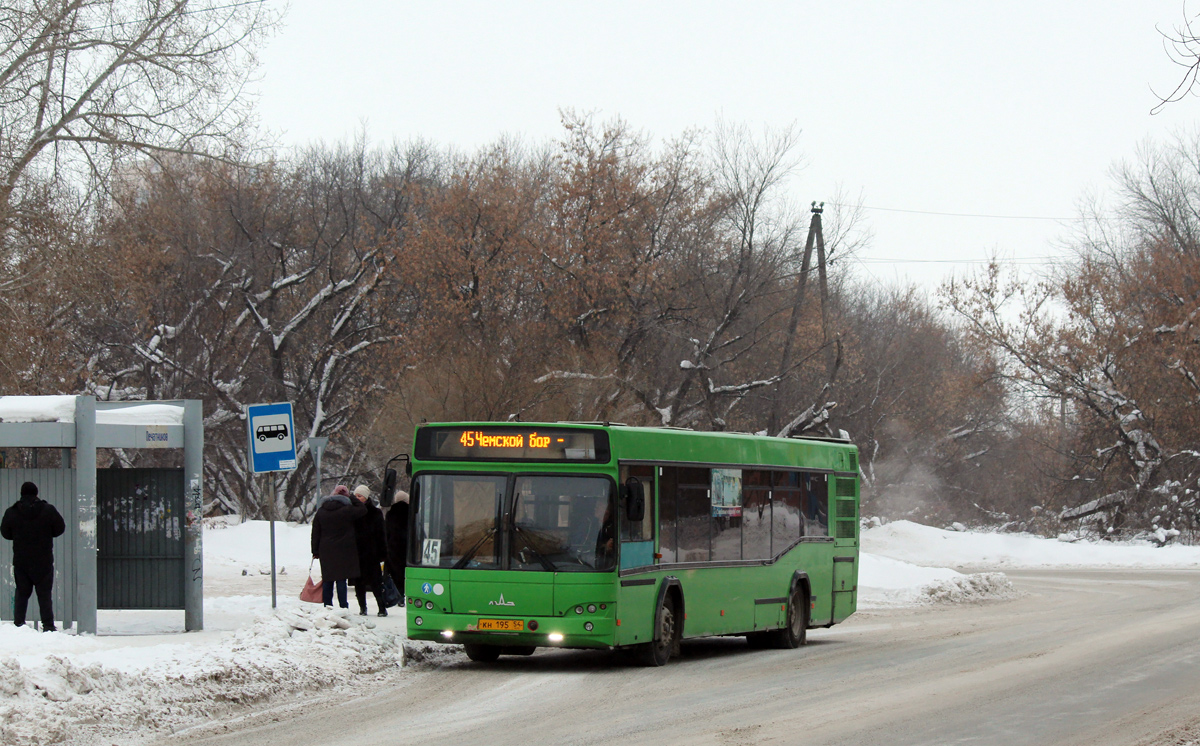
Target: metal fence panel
point(57, 487)
point(139, 536)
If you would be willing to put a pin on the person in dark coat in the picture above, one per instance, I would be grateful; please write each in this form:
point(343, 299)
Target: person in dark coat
point(334, 545)
point(31, 524)
point(372, 550)
point(397, 540)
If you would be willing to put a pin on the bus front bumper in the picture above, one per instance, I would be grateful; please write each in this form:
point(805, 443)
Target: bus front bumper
point(567, 631)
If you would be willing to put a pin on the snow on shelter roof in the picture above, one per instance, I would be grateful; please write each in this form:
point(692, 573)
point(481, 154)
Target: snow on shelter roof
point(62, 409)
point(37, 409)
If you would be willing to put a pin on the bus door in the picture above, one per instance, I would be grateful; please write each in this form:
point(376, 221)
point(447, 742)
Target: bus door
point(637, 539)
point(637, 592)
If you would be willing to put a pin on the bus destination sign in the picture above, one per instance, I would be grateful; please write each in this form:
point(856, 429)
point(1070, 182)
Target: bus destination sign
point(511, 443)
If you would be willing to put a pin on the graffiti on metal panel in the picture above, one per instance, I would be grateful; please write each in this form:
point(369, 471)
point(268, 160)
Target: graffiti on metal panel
point(142, 512)
point(87, 524)
point(193, 507)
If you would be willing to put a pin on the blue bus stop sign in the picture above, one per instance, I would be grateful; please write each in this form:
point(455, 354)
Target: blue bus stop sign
point(272, 437)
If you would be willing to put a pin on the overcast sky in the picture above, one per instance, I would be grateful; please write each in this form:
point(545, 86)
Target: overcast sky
point(1012, 109)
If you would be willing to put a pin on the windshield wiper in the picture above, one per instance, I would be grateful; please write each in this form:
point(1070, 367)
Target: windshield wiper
point(474, 549)
point(546, 564)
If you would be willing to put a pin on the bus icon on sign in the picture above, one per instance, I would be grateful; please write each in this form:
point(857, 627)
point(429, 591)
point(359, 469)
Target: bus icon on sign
point(271, 431)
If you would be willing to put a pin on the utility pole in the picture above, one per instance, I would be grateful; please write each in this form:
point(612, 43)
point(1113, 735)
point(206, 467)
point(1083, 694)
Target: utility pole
point(816, 239)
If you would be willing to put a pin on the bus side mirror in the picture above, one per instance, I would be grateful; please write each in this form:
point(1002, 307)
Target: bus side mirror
point(389, 488)
point(635, 500)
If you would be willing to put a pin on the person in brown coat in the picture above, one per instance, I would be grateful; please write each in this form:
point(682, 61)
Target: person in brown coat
point(333, 543)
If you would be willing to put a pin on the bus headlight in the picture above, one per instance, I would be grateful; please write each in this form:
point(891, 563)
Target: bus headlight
point(448, 633)
point(591, 608)
point(418, 621)
point(555, 637)
point(588, 626)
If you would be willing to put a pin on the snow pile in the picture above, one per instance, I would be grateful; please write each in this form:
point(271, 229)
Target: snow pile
point(980, 586)
point(884, 582)
point(296, 650)
point(904, 563)
point(925, 545)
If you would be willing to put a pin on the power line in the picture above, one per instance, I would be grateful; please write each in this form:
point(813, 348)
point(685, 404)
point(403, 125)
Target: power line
point(1018, 260)
point(957, 214)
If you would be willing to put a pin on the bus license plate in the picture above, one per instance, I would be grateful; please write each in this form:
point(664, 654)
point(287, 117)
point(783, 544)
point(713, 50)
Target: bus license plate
point(502, 625)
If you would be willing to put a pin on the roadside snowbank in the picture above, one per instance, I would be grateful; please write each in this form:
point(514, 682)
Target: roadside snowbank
point(904, 563)
point(160, 688)
point(884, 582)
point(888, 583)
point(935, 547)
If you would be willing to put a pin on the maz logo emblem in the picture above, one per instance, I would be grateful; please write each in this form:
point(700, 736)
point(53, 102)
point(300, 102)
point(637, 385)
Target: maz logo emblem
point(501, 602)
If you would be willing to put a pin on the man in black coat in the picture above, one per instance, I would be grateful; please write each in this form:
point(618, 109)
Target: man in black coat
point(372, 550)
point(31, 524)
point(333, 542)
point(397, 540)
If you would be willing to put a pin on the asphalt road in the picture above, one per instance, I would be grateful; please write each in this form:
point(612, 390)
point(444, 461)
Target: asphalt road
point(1083, 657)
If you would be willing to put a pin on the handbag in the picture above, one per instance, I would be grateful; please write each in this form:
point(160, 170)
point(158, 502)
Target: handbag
point(312, 592)
point(391, 595)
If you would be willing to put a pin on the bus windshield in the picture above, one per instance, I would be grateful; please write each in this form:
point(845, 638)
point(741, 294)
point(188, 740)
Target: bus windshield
point(558, 523)
point(562, 524)
point(456, 517)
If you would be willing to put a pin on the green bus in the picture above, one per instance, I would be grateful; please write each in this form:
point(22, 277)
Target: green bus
point(605, 536)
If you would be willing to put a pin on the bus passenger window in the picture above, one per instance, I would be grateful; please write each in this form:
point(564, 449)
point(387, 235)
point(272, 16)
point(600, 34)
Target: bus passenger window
point(786, 521)
point(756, 515)
point(668, 540)
point(726, 514)
point(694, 508)
point(816, 502)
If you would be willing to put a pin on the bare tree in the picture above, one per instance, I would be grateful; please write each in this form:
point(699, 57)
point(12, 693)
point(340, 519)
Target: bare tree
point(83, 82)
point(1111, 340)
point(1183, 48)
point(282, 285)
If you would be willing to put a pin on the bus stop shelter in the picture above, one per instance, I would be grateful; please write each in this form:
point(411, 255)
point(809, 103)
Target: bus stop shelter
point(133, 537)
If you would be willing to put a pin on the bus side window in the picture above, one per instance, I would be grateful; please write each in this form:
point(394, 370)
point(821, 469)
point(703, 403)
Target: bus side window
point(816, 497)
point(756, 514)
point(668, 540)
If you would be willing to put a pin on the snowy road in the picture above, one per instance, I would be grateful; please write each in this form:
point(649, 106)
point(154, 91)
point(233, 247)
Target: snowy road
point(1084, 657)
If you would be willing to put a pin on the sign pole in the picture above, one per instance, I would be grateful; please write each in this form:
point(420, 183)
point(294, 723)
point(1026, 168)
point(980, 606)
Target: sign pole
point(271, 436)
point(271, 497)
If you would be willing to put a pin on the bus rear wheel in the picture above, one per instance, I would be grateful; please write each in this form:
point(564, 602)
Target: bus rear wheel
point(481, 653)
point(658, 651)
point(795, 632)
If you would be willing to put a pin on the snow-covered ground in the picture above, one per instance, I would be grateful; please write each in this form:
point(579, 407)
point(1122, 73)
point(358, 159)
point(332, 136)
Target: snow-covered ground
point(142, 673)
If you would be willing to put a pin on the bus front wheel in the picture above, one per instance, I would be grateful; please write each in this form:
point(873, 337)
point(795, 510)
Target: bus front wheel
point(658, 651)
point(482, 653)
point(795, 632)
